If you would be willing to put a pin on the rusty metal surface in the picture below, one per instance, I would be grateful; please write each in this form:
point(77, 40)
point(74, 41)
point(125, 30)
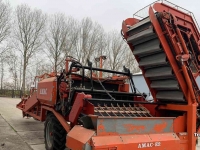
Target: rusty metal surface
point(125, 111)
point(145, 125)
point(164, 141)
point(170, 96)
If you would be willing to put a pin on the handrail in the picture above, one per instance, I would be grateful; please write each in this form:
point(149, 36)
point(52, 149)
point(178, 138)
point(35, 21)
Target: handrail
point(144, 12)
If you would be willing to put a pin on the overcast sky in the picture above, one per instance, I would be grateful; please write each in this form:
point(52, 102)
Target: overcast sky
point(109, 13)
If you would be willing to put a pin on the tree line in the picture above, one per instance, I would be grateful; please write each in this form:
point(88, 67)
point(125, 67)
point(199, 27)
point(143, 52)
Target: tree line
point(32, 42)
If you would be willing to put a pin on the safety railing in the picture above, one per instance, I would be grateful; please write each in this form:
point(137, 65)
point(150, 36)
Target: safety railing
point(144, 12)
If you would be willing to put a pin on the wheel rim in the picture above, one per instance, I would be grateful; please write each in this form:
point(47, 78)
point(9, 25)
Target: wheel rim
point(49, 134)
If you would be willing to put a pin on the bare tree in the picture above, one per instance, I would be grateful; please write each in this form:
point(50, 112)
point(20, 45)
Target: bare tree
point(119, 54)
point(5, 17)
point(28, 34)
point(89, 35)
point(44, 68)
point(130, 61)
point(20, 73)
point(14, 69)
point(2, 59)
point(57, 38)
point(8, 85)
point(101, 47)
point(116, 49)
point(3, 65)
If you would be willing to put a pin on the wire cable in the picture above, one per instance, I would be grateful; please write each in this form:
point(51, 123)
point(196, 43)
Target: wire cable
point(105, 90)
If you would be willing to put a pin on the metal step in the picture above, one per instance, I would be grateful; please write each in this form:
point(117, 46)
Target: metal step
point(159, 72)
point(150, 47)
point(154, 62)
point(143, 24)
point(169, 84)
point(143, 36)
point(170, 96)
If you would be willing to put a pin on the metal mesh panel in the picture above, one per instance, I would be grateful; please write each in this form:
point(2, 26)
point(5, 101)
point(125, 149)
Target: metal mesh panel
point(122, 111)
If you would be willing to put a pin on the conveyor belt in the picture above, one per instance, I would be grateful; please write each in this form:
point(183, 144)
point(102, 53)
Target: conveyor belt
point(153, 60)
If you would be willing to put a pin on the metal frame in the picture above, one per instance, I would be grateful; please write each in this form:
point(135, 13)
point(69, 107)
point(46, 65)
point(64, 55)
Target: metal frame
point(185, 79)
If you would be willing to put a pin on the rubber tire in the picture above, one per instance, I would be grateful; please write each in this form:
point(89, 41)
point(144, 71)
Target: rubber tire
point(58, 133)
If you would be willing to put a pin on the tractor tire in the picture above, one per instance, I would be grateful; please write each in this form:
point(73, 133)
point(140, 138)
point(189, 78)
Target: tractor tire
point(54, 134)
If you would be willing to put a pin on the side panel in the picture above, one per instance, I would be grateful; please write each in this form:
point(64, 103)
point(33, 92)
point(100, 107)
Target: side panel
point(30, 103)
point(78, 138)
point(114, 126)
point(47, 91)
point(164, 141)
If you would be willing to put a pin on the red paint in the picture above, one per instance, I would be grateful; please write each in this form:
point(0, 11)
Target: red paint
point(101, 128)
point(160, 127)
point(131, 128)
point(77, 108)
